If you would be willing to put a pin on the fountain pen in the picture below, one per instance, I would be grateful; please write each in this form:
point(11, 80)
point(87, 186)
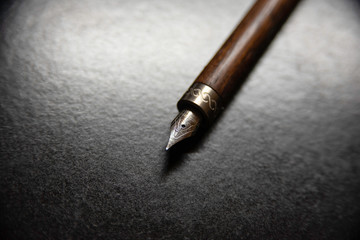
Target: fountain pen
point(227, 70)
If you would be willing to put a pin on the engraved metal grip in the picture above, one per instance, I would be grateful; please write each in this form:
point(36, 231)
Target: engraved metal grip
point(204, 99)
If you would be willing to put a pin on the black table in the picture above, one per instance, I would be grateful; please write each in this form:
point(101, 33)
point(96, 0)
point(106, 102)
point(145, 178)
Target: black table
point(87, 93)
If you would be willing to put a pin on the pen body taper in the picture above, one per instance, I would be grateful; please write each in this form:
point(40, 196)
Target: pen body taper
point(231, 64)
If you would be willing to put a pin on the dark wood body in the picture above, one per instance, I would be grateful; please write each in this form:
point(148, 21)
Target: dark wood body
point(231, 64)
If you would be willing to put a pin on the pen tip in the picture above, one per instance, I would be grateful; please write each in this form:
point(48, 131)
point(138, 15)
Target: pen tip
point(184, 126)
point(167, 147)
point(172, 141)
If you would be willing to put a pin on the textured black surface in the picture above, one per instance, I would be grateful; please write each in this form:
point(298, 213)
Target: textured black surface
point(88, 90)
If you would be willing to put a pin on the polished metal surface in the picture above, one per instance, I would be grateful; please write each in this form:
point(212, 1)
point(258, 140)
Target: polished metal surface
point(204, 99)
point(183, 126)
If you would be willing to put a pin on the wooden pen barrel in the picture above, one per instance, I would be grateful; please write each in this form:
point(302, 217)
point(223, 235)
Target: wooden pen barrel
point(232, 63)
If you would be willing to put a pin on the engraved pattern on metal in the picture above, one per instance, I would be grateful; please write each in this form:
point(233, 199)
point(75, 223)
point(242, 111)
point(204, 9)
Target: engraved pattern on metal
point(203, 98)
point(184, 125)
point(196, 92)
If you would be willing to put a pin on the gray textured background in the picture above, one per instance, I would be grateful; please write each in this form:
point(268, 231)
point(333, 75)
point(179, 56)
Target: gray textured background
point(88, 90)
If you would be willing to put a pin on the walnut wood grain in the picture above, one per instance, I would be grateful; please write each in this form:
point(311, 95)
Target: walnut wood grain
point(231, 64)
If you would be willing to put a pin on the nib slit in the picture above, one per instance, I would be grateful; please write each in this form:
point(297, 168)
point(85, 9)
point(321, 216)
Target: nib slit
point(184, 126)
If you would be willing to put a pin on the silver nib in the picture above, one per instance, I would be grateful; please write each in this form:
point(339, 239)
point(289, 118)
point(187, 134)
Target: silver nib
point(183, 126)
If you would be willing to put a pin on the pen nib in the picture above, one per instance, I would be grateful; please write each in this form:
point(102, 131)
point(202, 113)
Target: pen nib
point(183, 126)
